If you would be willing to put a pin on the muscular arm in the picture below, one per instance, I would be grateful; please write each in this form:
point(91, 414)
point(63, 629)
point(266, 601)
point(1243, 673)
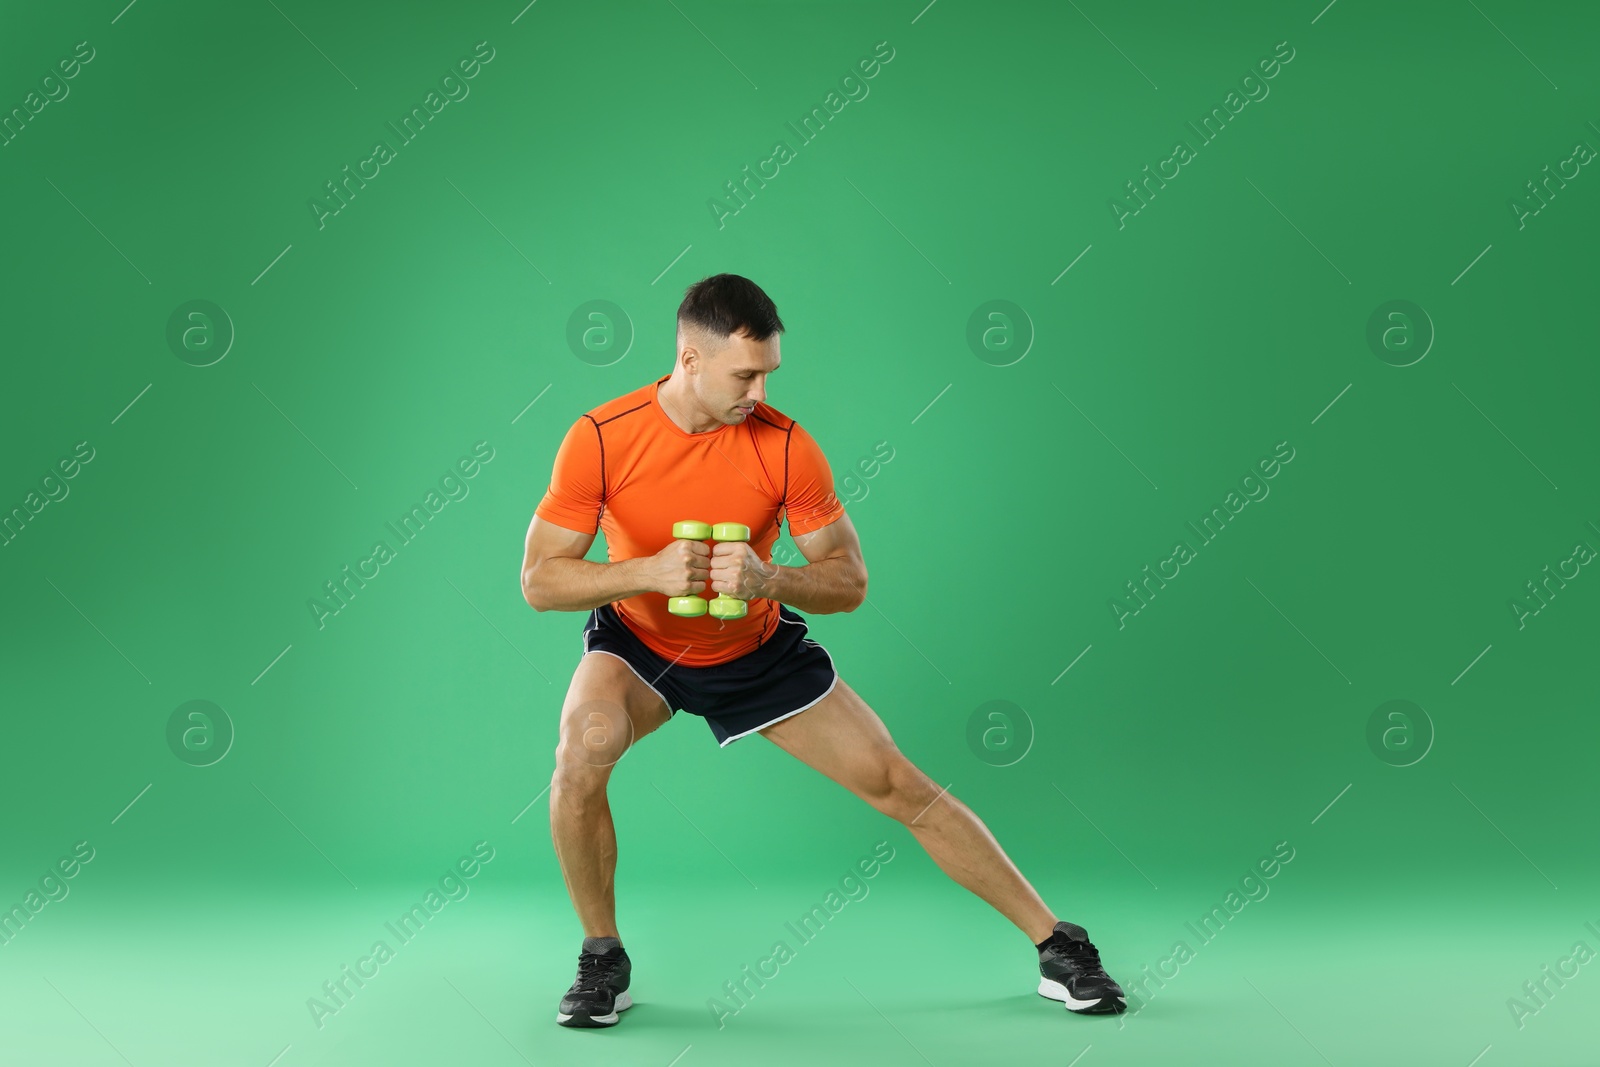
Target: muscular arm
point(834, 578)
point(556, 577)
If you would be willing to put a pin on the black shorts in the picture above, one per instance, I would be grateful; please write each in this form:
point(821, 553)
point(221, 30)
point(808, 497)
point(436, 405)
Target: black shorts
point(781, 678)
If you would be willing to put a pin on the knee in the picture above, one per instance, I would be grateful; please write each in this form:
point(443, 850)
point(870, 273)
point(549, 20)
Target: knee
point(579, 780)
point(901, 791)
point(594, 736)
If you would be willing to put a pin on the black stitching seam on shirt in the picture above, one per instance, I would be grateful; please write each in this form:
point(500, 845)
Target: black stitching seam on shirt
point(619, 414)
point(784, 503)
point(602, 441)
point(605, 487)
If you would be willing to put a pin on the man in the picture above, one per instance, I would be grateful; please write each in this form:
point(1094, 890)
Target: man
point(702, 444)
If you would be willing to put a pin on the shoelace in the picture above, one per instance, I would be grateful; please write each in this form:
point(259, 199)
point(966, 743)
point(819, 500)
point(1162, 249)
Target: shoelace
point(594, 970)
point(1082, 953)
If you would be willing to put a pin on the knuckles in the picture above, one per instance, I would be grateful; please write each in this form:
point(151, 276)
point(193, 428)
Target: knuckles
point(697, 567)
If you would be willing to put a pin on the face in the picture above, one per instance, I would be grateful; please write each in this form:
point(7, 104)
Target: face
point(731, 382)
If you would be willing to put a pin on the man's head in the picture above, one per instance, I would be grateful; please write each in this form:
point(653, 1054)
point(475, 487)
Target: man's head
point(727, 345)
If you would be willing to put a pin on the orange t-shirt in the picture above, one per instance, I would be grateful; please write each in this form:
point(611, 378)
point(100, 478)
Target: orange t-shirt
point(628, 468)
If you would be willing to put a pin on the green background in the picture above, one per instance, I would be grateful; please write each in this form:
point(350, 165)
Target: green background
point(1230, 714)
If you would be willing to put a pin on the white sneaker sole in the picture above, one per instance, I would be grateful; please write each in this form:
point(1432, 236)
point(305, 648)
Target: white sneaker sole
point(1056, 991)
point(624, 1002)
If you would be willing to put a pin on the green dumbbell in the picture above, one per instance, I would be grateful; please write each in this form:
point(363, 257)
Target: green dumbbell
point(724, 606)
point(689, 606)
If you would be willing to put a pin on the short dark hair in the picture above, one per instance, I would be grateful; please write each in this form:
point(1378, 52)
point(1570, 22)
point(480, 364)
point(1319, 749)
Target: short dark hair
point(724, 304)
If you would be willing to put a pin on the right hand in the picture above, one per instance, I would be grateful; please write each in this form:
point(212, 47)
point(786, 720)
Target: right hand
point(681, 568)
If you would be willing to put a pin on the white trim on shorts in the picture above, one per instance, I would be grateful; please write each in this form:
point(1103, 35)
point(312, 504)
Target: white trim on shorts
point(587, 651)
point(796, 711)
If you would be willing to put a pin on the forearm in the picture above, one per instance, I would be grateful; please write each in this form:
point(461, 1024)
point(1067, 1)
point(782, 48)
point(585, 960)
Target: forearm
point(819, 588)
point(561, 583)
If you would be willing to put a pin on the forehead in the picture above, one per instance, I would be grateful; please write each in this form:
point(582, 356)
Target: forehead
point(743, 354)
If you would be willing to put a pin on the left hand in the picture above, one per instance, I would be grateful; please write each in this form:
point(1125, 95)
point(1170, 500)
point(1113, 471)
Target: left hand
point(737, 571)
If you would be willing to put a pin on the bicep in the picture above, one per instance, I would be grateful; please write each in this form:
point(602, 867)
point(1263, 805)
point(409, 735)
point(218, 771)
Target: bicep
point(836, 540)
point(546, 539)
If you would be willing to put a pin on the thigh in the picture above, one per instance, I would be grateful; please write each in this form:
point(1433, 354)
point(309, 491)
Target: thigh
point(607, 708)
point(844, 739)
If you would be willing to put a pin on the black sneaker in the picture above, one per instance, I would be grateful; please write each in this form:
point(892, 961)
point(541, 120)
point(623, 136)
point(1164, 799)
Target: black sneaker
point(1070, 972)
point(601, 990)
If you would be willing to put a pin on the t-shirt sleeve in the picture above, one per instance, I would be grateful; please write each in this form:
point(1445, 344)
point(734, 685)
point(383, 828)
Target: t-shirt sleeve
point(810, 503)
point(577, 481)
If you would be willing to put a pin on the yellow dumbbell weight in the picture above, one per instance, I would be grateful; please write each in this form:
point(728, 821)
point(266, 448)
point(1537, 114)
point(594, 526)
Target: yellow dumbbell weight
point(689, 606)
point(724, 606)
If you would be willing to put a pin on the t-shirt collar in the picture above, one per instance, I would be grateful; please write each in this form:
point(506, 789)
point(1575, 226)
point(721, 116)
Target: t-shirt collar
point(661, 413)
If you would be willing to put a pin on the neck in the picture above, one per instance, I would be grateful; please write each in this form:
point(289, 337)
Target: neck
point(677, 407)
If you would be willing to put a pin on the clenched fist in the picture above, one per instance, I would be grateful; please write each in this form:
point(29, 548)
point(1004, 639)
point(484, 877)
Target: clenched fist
point(738, 572)
point(682, 568)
